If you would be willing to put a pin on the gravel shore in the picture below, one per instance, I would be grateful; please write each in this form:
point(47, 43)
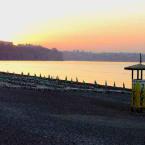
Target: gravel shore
point(29, 117)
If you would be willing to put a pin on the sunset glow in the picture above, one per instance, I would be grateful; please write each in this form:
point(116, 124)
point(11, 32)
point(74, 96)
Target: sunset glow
point(96, 25)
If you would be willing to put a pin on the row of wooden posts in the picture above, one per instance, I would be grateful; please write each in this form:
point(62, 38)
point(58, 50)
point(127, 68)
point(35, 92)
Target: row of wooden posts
point(66, 79)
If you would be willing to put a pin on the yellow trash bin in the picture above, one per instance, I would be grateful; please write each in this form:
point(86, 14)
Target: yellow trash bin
point(143, 99)
point(132, 105)
point(137, 96)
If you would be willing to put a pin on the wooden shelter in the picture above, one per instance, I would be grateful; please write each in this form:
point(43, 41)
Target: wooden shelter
point(138, 86)
point(139, 68)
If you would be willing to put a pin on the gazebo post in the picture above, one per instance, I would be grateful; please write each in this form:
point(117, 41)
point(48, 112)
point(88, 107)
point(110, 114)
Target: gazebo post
point(137, 74)
point(141, 74)
point(132, 74)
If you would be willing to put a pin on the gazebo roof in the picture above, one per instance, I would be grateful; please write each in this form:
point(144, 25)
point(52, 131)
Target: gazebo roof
point(136, 67)
point(139, 66)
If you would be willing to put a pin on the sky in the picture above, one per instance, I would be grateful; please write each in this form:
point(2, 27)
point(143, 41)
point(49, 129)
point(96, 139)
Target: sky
point(90, 25)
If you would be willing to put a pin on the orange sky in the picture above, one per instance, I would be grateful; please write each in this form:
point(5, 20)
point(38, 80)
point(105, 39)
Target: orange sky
point(96, 25)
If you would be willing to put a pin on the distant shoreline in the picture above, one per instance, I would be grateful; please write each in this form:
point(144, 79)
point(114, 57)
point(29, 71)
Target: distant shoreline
point(9, 51)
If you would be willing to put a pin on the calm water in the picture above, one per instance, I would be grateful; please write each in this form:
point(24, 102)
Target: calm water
point(88, 71)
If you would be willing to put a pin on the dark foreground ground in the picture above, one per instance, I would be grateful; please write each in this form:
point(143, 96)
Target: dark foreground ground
point(68, 118)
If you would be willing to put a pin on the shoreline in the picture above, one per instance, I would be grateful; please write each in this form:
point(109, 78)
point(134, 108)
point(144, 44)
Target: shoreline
point(38, 82)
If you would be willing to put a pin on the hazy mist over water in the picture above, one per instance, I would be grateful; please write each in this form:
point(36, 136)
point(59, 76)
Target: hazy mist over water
point(83, 70)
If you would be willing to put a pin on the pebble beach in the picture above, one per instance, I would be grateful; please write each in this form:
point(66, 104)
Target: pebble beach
point(47, 117)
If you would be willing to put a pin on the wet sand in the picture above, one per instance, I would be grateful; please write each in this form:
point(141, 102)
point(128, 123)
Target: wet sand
point(29, 117)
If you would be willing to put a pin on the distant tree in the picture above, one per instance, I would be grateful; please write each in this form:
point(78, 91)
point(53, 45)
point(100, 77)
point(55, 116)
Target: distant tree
point(54, 49)
point(28, 74)
point(22, 73)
